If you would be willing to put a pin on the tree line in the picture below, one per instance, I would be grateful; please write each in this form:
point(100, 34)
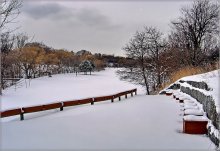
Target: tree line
point(24, 59)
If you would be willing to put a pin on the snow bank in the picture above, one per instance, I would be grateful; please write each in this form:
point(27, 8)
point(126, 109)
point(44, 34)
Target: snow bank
point(190, 104)
point(195, 118)
point(194, 112)
point(212, 80)
point(189, 107)
point(189, 101)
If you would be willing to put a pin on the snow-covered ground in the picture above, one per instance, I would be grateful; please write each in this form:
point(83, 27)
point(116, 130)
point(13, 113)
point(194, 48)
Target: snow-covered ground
point(213, 81)
point(65, 87)
point(140, 122)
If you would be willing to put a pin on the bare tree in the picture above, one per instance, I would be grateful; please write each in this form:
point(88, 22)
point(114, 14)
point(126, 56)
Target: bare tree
point(148, 68)
point(21, 40)
point(10, 9)
point(7, 43)
point(137, 49)
point(197, 23)
point(157, 46)
point(10, 66)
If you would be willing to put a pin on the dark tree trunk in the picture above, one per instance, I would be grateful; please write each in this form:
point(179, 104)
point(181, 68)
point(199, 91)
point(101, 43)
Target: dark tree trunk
point(144, 76)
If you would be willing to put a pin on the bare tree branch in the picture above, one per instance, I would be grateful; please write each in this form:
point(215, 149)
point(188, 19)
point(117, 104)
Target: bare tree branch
point(10, 9)
point(191, 30)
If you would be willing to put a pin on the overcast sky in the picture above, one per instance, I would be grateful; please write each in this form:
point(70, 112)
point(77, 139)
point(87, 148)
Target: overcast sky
point(96, 26)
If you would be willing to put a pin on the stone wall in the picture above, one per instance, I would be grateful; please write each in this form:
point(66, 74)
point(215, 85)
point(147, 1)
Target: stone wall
point(208, 105)
point(174, 86)
point(207, 102)
point(200, 85)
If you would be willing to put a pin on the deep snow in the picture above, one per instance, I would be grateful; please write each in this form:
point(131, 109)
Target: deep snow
point(141, 122)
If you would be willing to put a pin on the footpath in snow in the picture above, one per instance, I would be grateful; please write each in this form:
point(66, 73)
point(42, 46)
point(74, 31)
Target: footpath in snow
point(141, 122)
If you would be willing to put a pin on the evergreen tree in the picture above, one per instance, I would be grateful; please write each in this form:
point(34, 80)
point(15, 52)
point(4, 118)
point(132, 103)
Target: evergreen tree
point(86, 66)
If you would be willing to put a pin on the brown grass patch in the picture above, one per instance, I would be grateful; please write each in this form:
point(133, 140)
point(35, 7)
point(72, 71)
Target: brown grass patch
point(188, 71)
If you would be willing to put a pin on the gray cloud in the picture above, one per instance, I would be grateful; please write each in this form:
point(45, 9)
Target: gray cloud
point(75, 17)
point(96, 26)
point(92, 17)
point(40, 10)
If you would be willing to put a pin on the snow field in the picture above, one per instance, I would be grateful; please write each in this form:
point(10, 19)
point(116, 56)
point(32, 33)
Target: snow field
point(140, 122)
point(65, 87)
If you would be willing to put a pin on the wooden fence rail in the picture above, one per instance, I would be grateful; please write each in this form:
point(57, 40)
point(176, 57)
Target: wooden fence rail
point(103, 98)
point(61, 105)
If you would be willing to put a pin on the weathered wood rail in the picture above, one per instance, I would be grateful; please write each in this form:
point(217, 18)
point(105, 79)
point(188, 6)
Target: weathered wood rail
point(61, 105)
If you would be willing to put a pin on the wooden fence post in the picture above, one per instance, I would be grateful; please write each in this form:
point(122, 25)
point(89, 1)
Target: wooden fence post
point(92, 103)
point(126, 96)
point(22, 116)
point(61, 108)
point(112, 100)
point(119, 98)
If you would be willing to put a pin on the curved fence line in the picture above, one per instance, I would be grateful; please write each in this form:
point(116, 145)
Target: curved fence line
point(61, 105)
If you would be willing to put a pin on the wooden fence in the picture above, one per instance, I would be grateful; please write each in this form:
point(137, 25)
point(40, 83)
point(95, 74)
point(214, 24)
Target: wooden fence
point(61, 105)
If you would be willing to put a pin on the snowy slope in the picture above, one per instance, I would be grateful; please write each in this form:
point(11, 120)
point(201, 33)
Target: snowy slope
point(212, 79)
point(65, 87)
point(141, 122)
